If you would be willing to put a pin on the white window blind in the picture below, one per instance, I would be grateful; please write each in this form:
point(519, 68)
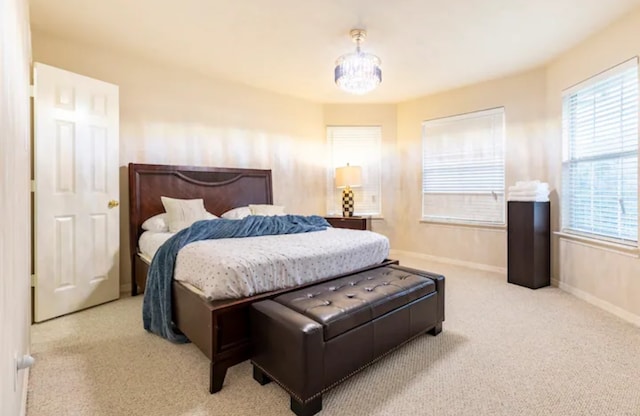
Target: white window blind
point(357, 146)
point(600, 156)
point(463, 168)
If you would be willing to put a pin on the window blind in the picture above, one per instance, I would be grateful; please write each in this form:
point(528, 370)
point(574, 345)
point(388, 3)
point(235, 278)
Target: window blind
point(463, 168)
point(357, 146)
point(600, 156)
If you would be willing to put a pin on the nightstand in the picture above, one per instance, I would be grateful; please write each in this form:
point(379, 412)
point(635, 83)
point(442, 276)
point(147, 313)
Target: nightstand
point(353, 223)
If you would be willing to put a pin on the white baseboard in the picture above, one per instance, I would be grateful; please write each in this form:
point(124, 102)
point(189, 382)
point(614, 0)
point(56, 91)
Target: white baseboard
point(587, 297)
point(447, 260)
point(602, 304)
point(25, 386)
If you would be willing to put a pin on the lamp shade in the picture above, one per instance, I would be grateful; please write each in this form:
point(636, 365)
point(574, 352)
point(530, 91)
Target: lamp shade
point(348, 176)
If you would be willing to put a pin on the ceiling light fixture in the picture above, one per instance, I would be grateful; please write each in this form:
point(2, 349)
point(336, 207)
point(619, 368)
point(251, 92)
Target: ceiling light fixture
point(358, 72)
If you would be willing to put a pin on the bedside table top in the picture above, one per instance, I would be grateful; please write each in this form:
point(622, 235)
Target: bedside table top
point(355, 223)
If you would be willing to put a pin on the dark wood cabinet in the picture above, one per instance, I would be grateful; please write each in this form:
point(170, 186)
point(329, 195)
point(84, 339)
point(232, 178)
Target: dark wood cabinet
point(528, 244)
point(354, 223)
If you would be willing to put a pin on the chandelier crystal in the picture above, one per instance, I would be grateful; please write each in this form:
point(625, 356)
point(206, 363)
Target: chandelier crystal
point(358, 72)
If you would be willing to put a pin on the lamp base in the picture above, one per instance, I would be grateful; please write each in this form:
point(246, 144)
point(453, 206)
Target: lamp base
point(347, 202)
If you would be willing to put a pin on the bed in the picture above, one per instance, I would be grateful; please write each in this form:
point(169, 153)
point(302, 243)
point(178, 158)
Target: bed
point(219, 328)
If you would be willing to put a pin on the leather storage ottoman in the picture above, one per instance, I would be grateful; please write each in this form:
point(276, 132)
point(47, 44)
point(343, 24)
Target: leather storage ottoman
point(311, 339)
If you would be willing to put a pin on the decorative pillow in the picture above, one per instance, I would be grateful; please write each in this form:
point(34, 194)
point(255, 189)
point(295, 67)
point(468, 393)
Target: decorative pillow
point(237, 213)
point(267, 210)
point(181, 213)
point(157, 223)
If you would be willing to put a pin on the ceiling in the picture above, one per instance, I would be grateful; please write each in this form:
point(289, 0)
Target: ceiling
point(290, 46)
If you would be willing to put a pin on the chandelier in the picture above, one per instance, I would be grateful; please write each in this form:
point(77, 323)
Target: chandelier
point(358, 72)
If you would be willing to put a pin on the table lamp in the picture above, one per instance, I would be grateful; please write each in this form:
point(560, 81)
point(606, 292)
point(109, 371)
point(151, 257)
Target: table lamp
point(347, 177)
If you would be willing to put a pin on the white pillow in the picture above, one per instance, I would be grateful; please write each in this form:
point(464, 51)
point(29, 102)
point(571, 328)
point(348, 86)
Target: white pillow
point(157, 223)
point(160, 223)
point(267, 210)
point(181, 213)
point(237, 213)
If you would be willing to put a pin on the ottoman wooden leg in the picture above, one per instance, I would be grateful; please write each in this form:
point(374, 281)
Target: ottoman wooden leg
point(260, 376)
point(436, 329)
point(306, 409)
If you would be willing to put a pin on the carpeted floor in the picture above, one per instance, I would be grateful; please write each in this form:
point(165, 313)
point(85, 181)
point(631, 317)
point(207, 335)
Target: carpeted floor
point(505, 350)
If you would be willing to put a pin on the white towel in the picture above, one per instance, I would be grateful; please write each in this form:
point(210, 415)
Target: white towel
point(530, 187)
point(528, 199)
point(529, 193)
point(527, 183)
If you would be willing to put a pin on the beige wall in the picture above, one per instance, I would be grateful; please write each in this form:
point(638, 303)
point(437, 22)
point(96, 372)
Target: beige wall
point(523, 98)
point(173, 116)
point(15, 265)
point(610, 278)
point(605, 276)
point(383, 115)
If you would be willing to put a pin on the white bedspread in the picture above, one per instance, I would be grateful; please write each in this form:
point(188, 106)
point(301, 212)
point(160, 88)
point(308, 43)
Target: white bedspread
point(240, 267)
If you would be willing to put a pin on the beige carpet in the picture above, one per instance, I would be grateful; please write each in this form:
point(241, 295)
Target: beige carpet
point(505, 350)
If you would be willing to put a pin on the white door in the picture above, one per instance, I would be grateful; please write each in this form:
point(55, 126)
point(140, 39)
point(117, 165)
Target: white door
point(76, 212)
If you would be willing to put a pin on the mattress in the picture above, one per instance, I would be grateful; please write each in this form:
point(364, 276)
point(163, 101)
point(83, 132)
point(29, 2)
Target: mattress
point(239, 267)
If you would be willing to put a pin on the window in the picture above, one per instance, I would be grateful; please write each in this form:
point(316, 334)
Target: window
point(463, 168)
point(600, 156)
point(357, 146)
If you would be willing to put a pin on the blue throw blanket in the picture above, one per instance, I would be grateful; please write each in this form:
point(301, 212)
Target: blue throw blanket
point(156, 308)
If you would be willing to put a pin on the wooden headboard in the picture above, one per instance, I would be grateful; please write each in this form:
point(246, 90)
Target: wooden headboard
point(221, 189)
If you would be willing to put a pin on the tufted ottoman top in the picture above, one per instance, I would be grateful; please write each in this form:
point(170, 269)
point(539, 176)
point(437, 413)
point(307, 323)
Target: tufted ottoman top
point(345, 303)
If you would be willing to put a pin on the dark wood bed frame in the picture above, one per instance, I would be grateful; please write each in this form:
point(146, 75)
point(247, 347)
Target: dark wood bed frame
point(220, 329)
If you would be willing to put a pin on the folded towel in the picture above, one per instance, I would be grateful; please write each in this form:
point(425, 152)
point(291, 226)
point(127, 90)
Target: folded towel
point(531, 187)
point(528, 199)
point(529, 193)
point(527, 183)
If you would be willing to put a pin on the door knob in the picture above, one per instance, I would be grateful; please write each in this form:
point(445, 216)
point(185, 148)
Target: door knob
point(113, 203)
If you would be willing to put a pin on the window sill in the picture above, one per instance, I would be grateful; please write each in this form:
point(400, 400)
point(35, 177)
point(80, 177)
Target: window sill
point(617, 248)
point(489, 227)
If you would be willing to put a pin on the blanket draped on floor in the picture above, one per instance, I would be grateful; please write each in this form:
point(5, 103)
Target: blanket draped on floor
point(156, 307)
